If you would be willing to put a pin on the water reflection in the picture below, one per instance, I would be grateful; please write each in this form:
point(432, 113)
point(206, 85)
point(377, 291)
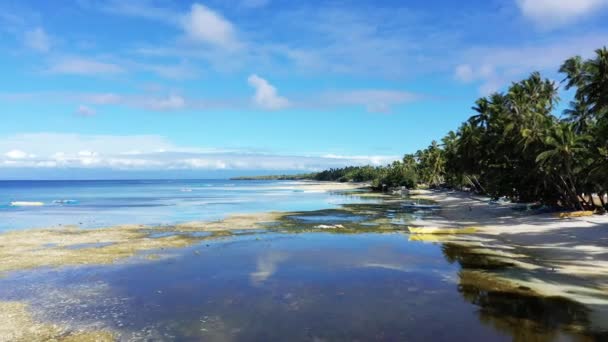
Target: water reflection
point(266, 266)
point(516, 310)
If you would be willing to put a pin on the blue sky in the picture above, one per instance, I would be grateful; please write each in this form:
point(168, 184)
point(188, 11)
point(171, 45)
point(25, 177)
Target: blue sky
point(110, 89)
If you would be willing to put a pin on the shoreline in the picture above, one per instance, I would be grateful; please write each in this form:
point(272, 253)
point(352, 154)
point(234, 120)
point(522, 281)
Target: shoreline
point(550, 255)
point(56, 246)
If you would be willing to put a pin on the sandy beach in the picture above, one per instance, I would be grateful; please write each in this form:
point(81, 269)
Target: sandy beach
point(550, 255)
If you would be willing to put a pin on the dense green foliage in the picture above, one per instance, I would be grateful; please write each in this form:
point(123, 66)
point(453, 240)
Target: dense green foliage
point(514, 146)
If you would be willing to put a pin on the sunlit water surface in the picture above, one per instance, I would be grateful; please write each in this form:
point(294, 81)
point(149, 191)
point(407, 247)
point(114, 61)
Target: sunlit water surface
point(152, 202)
point(285, 286)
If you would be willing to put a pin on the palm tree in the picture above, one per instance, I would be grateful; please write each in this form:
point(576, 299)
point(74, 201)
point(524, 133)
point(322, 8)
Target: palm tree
point(560, 157)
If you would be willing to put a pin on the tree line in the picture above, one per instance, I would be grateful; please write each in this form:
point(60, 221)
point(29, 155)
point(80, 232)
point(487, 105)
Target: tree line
point(515, 146)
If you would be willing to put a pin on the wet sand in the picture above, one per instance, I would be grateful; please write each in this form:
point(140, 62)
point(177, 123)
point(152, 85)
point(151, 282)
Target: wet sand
point(549, 255)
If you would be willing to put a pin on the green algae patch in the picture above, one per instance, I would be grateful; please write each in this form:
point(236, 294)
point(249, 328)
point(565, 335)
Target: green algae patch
point(521, 311)
point(18, 324)
point(71, 246)
point(28, 249)
point(500, 271)
point(349, 219)
point(483, 281)
point(232, 222)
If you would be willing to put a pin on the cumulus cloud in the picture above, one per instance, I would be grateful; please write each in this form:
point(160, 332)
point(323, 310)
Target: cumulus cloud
point(266, 95)
point(84, 66)
point(15, 154)
point(154, 153)
point(205, 25)
point(37, 39)
point(553, 13)
point(85, 111)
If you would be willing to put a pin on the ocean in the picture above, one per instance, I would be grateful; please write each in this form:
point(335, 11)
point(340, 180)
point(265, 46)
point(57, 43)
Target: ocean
point(102, 203)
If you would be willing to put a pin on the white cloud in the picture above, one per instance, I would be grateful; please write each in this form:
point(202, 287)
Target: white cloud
point(16, 154)
point(266, 95)
point(374, 100)
point(86, 153)
point(148, 101)
point(85, 111)
point(204, 25)
point(71, 144)
point(172, 102)
point(360, 40)
point(464, 73)
point(84, 66)
point(37, 39)
point(495, 67)
point(364, 160)
point(553, 13)
point(178, 71)
point(102, 98)
point(155, 153)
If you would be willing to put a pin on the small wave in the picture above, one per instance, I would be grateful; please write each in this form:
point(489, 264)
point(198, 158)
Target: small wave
point(26, 204)
point(65, 201)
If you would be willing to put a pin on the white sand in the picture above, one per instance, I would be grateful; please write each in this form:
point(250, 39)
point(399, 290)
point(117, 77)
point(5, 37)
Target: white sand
point(554, 257)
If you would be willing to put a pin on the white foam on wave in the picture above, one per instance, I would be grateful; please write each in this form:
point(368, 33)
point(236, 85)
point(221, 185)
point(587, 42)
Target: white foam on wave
point(26, 204)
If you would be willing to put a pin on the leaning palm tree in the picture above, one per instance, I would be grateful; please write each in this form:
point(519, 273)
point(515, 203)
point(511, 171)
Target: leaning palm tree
point(563, 147)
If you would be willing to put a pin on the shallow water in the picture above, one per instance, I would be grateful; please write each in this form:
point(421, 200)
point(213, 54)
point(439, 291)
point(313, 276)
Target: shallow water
point(152, 202)
point(283, 286)
point(368, 281)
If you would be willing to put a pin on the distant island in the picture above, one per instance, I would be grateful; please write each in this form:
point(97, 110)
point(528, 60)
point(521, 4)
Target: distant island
point(304, 176)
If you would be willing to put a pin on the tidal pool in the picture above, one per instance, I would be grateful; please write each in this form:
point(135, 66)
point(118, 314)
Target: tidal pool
point(319, 286)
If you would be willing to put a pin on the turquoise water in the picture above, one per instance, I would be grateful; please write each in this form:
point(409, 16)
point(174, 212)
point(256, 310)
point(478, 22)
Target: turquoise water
point(107, 203)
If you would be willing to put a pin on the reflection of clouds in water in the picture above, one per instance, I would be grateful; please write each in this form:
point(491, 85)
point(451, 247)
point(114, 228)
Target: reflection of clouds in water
point(389, 259)
point(394, 267)
point(266, 267)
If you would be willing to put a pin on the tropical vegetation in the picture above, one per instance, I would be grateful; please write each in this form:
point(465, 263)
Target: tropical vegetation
point(515, 146)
